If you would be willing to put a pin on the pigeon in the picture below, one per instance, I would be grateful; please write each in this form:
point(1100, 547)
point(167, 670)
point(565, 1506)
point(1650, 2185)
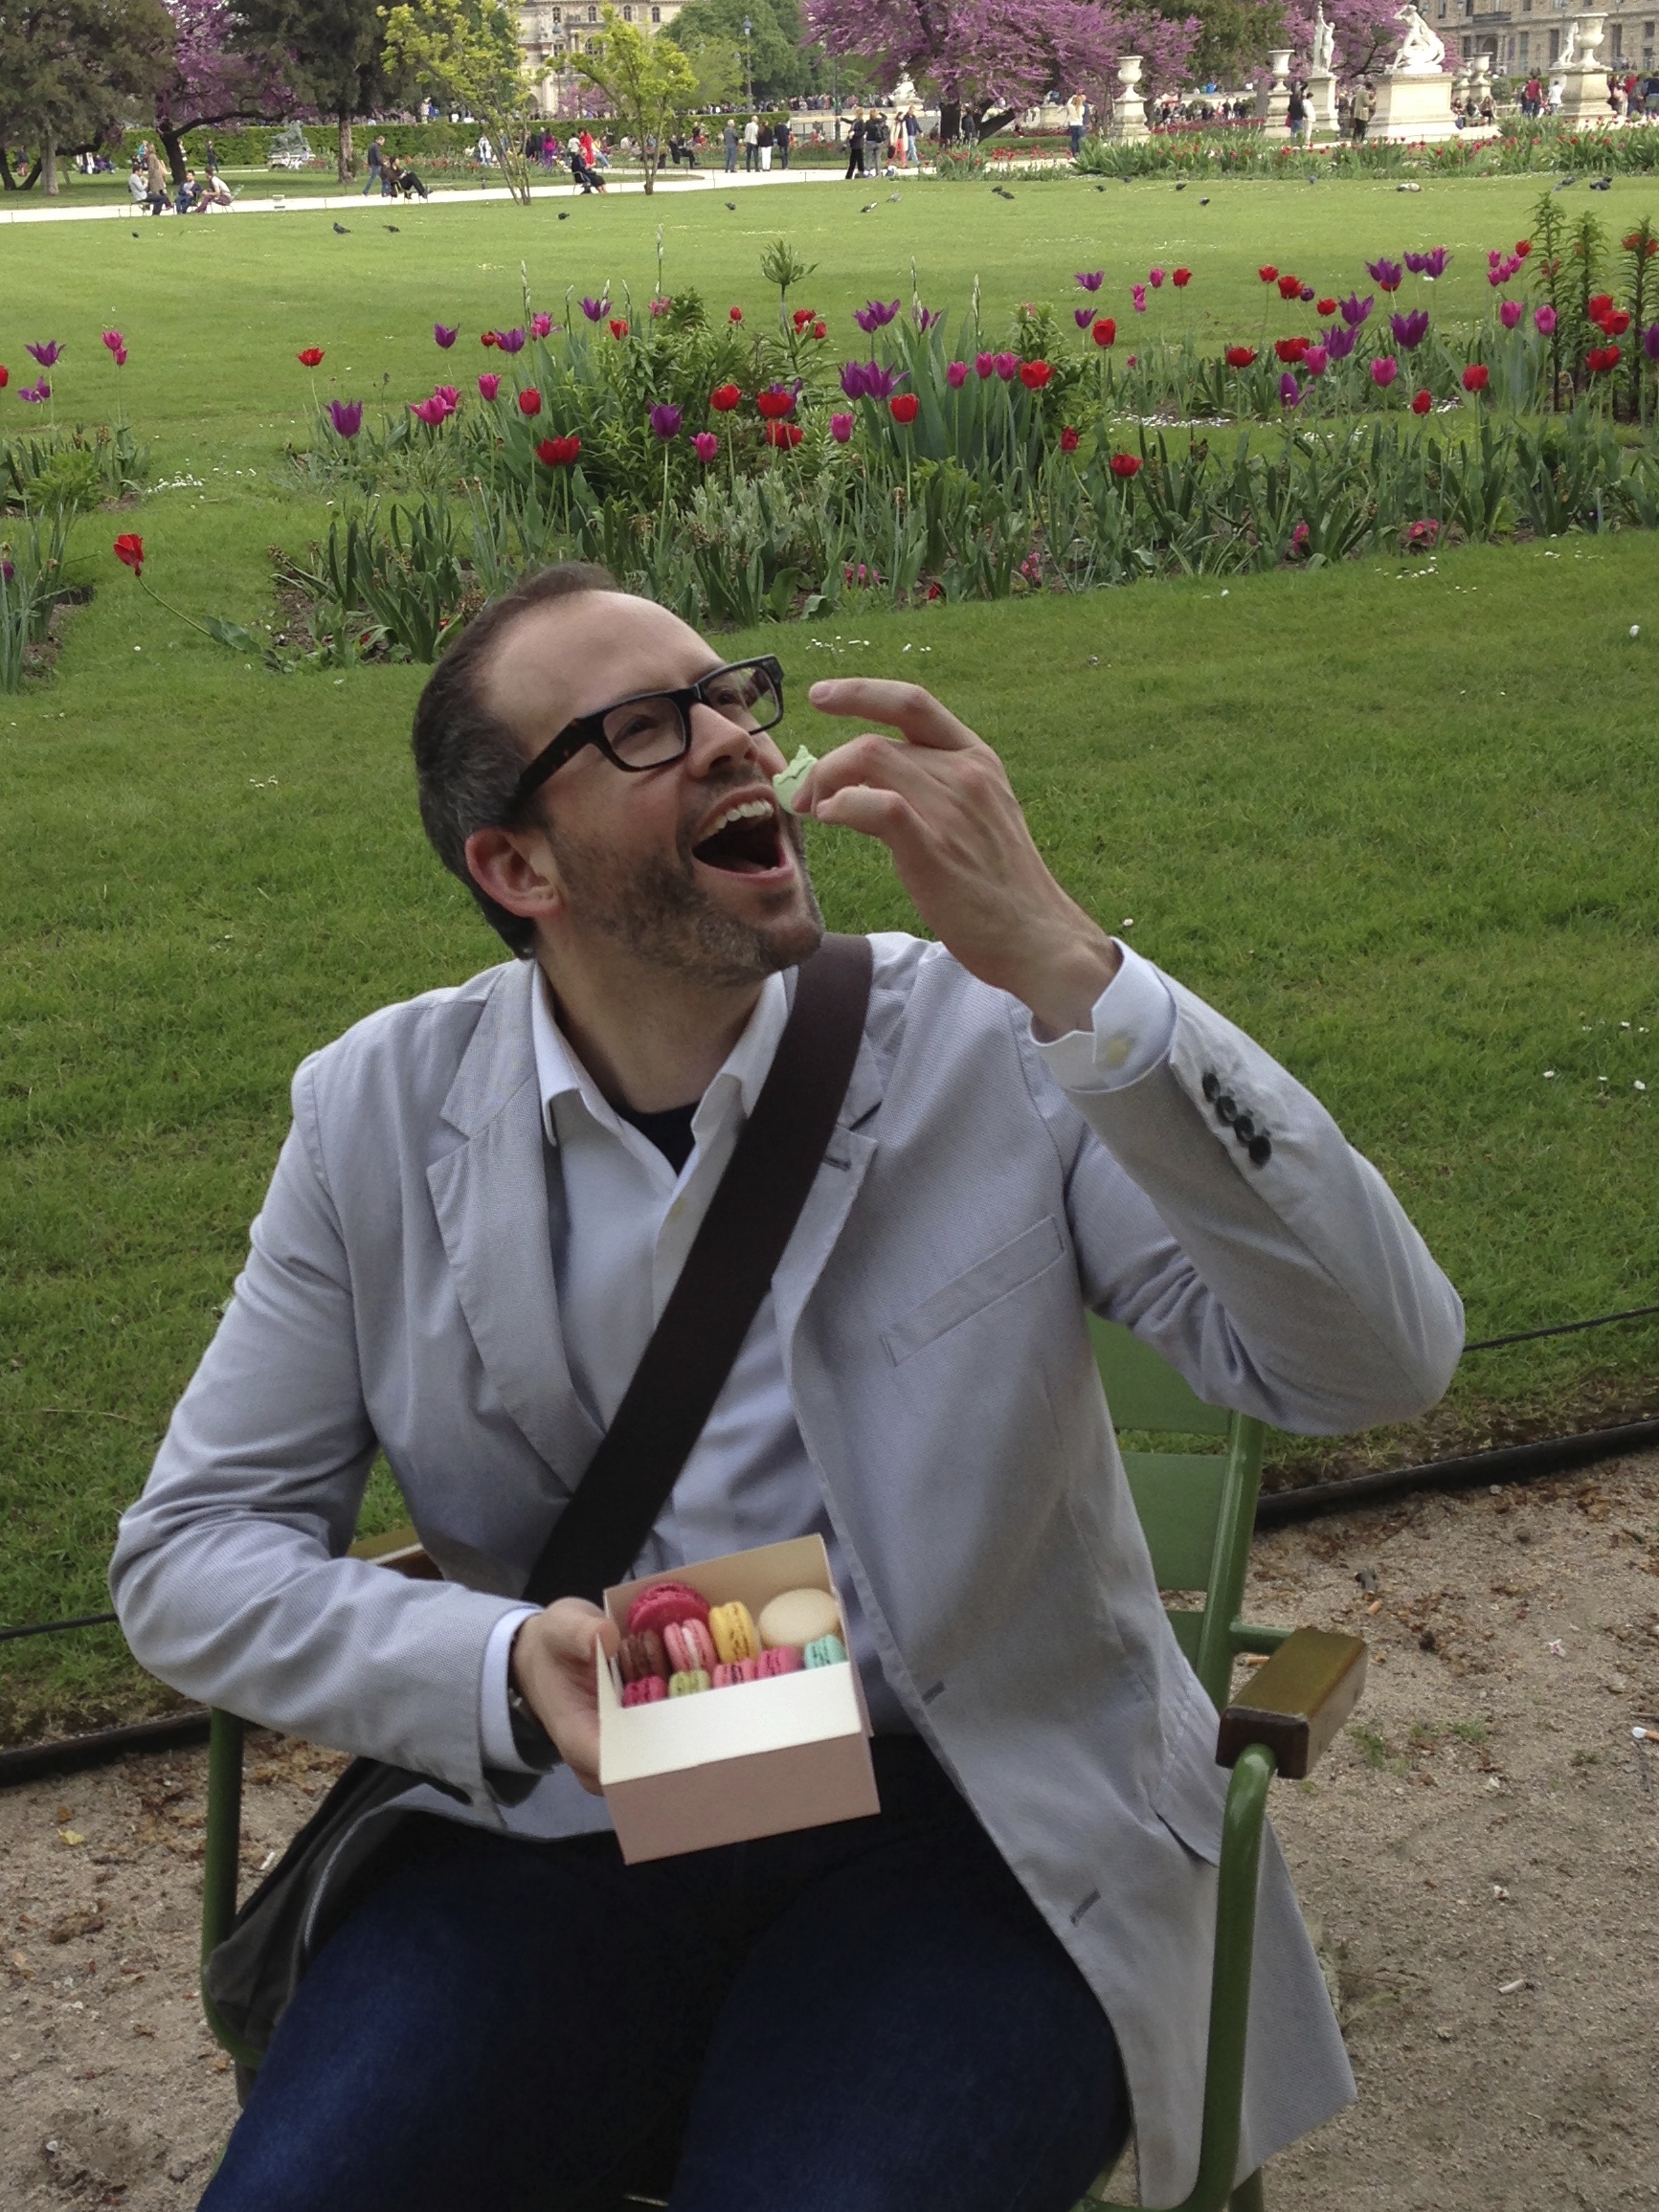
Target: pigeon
point(1181, 188)
point(564, 215)
point(340, 231)
point(1203, 203)
point(893, 196)
point(1100, 187)
point(1565, 181)
point(1001, 194)
point(393, 227)
point(869, 207)
point(1600, 184)
point(135, 234)
point(733, 205)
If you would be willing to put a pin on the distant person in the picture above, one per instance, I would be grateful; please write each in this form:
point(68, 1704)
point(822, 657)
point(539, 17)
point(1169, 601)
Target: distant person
point(1364, 108)
point(751, 143)
point(785, 138)
point(588, 178)
point(137, 189)
point(856, 146)
point(185, 199)
point(1296, 114)
point(402, 182)
point(912, 133)
point(764, 145)
point(155, 183)
point(1076, 110)
point(728, 139)
point(375, 180)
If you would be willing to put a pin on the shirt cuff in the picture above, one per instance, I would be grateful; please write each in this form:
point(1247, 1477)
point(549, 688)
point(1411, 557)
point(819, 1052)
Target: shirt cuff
point(495, 1719)
point(1134, 1026)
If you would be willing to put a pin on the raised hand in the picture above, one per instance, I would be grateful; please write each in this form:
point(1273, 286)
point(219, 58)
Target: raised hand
point(941, 802)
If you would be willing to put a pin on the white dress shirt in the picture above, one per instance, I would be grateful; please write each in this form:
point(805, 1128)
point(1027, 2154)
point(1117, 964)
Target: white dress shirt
point(630, 1220)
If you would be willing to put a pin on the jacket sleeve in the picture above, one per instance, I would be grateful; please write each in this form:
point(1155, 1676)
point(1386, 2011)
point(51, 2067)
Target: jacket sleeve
point(1219, 1212)
point(227, 1572)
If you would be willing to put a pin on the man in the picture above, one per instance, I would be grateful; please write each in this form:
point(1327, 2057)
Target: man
point(1296, 113)
point(1364, 108)
point(728, 139)
point(752, 145)
point(375, 180)
point(482, 1206)
point(855, 147)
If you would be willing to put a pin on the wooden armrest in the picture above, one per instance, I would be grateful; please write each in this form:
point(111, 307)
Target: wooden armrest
point(1296, 1702)
point(400, 1550)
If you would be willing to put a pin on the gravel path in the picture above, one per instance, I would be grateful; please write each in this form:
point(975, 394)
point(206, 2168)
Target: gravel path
point(1479, 1857)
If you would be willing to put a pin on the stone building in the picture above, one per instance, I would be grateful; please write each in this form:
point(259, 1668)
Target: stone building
point(550, 30)
point(1522, 35)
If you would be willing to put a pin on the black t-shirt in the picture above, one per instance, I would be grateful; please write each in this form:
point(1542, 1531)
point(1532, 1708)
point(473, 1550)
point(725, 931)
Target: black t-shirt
point(670, 1131)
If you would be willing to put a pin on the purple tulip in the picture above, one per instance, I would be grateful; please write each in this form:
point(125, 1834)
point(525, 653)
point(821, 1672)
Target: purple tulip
point(595, 310)
point(1545, 320)
point(1083, 317)
point(431, 411)
point(1385, 274)
point(1434, 262)
point(1651, 342)
point(34, 395)
point(1137, 293)
point(665, 421)
point(1306, 293)
point(869, 380)
point(1509, 313)
point(541, 325)
point(347, 415)
point(706, 445)
point(1155, 277)
point(925, 317)
point(1091, 280)
point(488, 385)
point(957, 375)
point(510, 340)
point(1339, 341)
point(840, 428)
point(1317, 360)
point(445, 334)
point(6, 570)
point(1417, 263)
point(1355, 310)
point(1006, 366)
point(1383, 371)
point(115, 341)
point(47, 352)
point(1290, 390)
point(875, 315)
point(984, 364)
point(1410, 330)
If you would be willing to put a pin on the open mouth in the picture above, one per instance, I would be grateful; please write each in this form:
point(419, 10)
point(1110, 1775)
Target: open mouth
point(743, 840)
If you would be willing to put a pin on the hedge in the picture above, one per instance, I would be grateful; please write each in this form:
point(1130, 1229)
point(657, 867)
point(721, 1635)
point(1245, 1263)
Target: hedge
point(249, 147)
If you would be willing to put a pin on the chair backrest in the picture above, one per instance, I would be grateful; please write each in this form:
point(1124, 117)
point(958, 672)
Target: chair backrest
point(1198, 1509)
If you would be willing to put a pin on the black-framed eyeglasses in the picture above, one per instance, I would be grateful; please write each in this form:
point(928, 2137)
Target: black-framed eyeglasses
point(655, 728)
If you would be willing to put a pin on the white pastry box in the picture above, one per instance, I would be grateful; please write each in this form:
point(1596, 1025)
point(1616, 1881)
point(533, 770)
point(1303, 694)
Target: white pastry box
point(757, 1758)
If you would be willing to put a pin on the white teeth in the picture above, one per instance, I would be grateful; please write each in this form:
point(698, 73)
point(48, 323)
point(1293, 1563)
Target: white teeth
point(750, 811)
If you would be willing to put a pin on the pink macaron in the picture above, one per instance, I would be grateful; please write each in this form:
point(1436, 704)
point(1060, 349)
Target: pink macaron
point(664, 1605)
point(647, 1691)
point(729, 1672)
point(689, 1646)
point(781, 1659)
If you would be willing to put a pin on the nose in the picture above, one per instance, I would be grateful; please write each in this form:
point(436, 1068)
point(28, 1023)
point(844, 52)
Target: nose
point(718, 742)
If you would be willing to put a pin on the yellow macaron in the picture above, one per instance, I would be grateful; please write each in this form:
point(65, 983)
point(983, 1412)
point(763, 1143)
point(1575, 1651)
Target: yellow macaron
point(733, 1628)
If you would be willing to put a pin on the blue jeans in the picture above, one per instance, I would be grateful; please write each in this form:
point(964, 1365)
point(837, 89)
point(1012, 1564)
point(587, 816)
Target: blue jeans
point(865, 2018)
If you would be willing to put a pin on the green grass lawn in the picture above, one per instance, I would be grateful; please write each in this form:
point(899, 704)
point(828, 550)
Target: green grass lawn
point(1397, 817)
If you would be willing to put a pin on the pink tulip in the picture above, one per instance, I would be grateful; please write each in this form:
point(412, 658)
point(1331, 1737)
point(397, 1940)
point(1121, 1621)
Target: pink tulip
point(1384, 372)
point(1155, 277)
point(1545, 320)
point(488, 386)
point(706, 445)
point(1316, 361)
point(1509, 313)
point(1137, 293)
point(984, 364)
point(840, 428)
point(957, 375)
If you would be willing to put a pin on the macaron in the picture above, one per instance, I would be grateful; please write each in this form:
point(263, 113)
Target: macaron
point(799, 1617)
point(781, 1659)
point(663, 1603)
point(642, 1658)
point(689, 1682)
point(730, 1673)
point(733, 1630)
point(826, 1651)
point(647, 1689)
point(689, 1646)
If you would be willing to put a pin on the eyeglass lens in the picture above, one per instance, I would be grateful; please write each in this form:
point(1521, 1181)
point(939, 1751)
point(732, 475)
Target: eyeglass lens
point(646, 733)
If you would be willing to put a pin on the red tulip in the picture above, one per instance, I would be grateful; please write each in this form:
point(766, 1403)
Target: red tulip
point(775, 403)
point(801, 317)
point(1290, 349)
point(905, 406)
point(558, 451)
point(785, 434)
point(1324, 307)
point(1035, 374)
point(1476, 377)
point(488, 338)
point(311, 357)
point(529, 401)
point(1601, 358)
point(734, 314)
point(725, 399)
point(1289, 287)
point(1602, 304)
point(821, 329)
point(619, 327)
point(1068, 440)
point(1241, 356)
point(1617, 324)
point(129, 551)
point(1181, 279)
point(1105, 332)
point(1523, 247)
point(1124, 465)
point(1422, 402)
point(5, 376)
point(1268, 274)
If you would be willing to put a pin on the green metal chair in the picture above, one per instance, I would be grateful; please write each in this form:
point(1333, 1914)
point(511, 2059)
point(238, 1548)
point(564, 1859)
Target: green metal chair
point(1198, 1509)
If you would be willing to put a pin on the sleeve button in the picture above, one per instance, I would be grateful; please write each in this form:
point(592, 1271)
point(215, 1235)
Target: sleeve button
point(1261, 1152)
point(1212, 1084)
point(1244, 1128)
point(1226, 1109)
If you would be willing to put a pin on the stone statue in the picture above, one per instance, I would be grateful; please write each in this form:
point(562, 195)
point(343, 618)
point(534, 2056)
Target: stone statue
point(1421, 52)
point(1569, 53)
point(1324, 45)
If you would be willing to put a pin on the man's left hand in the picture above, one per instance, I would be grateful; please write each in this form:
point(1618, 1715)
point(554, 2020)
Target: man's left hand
point(941, 802)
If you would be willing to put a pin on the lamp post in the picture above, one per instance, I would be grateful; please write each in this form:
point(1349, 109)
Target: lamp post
point(747, 60)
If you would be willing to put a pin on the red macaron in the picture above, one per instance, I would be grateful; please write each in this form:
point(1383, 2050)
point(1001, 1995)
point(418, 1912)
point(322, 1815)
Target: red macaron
point(663, 1605)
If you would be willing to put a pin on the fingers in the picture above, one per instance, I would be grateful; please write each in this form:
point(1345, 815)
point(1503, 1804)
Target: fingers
point(905, 706)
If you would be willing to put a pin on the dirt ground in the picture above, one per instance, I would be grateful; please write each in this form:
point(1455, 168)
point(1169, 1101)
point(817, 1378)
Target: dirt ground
point(1478, 1856)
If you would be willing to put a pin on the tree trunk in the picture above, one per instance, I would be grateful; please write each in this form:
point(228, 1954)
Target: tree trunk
point(175, 151)
point(949, 121)
point(8, 182)
point(344, 161)
point(49, 167)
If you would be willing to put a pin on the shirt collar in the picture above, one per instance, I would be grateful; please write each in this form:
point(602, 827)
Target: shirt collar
point(560, 1073)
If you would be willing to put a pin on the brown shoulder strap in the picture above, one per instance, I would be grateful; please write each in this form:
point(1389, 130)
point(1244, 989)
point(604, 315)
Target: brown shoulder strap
point(725, 1277)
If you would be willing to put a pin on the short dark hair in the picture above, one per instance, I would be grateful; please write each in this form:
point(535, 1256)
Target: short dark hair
point(468, 761)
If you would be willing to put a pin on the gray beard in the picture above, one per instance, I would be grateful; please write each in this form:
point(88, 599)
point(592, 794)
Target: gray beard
point(658, 915)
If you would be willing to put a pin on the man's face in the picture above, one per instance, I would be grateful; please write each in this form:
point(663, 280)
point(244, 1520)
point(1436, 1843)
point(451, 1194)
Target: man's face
point(693, 867)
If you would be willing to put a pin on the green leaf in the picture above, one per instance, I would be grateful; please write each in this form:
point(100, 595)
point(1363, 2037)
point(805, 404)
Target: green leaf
point(231, 634)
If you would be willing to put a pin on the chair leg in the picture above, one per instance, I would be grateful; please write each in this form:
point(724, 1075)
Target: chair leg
point(1247, 2196)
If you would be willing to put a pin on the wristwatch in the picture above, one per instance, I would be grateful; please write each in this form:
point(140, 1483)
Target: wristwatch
point(530, 1740)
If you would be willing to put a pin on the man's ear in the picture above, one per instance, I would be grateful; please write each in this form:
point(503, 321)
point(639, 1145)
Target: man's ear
point(518, 871)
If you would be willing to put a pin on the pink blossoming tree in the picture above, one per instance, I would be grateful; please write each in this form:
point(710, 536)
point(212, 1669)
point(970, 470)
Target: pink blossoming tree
point(212, 83)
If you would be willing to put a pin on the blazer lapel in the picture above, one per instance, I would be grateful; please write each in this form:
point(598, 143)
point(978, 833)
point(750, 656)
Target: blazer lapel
point(490, 1196)
point(846, 1161)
